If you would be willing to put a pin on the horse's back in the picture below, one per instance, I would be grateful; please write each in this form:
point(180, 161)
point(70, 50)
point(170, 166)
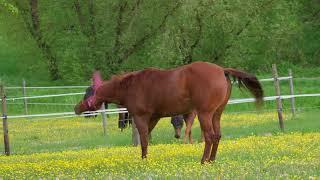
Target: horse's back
point(179, 90)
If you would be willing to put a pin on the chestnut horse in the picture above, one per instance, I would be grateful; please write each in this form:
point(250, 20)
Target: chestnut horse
point(152, 93)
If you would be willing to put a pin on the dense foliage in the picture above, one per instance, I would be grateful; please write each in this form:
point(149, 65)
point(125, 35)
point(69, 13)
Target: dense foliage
point(71, 38)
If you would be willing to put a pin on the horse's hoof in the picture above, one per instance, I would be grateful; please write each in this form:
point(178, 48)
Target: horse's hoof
point(177, 136)
point(203, 162)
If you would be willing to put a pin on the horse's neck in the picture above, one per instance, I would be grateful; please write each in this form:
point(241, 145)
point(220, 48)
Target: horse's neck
point(111, 92)
point(120, 93)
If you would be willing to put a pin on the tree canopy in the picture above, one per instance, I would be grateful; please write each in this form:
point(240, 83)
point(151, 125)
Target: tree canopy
point(75, 37)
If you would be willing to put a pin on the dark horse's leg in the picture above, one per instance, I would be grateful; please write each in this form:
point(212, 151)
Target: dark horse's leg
point(188, 119)
point(142, 124)
point(121, 121)
point(206, 126)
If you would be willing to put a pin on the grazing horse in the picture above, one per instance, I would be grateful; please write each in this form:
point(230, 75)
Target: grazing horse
point(152, 93)
point(177, 123)
point(124, 118)
point(89, 92)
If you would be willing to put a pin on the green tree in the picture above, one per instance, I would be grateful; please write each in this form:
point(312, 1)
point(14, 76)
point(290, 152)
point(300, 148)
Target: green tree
point(76, 37)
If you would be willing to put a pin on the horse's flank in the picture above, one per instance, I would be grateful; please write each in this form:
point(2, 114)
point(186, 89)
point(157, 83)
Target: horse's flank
point(162, 92)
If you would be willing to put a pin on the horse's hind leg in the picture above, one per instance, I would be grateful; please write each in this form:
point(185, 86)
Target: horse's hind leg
point(206, 127)
point(217, 133)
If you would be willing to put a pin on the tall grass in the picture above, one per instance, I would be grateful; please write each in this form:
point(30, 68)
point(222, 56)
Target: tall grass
point(252, 146)
point(48, 134)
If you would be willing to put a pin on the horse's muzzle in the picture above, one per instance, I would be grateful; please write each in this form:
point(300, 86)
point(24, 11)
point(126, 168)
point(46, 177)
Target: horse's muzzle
point(177, 133)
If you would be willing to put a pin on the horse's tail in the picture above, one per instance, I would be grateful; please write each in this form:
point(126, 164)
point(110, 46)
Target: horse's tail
point(247, 81)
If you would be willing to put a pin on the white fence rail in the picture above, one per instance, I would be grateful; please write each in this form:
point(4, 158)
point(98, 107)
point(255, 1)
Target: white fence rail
point(124, 110)
point(43, 96)
point(271, 98)
point(80, 87)
point(46, 87)
point(272, 79)
point(47, 104)
point(81, 93)
point(107, 111)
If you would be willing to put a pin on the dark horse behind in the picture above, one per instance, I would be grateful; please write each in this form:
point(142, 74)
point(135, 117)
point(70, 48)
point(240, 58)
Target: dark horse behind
point(124, 120)
point(177, 123)
point(152, 93)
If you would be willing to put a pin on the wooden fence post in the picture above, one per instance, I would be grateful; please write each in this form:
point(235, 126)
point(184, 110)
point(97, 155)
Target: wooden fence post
point(277, 89)
point(293, 108)
point(135, 134)
point(24, 94)
point(4, 121)
point(104, 119)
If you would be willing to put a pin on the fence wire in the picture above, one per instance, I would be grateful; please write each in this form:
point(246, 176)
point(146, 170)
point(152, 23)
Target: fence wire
point(123, 110)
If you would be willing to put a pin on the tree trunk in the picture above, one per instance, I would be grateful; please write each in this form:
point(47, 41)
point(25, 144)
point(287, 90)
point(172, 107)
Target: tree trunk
point(41, 42)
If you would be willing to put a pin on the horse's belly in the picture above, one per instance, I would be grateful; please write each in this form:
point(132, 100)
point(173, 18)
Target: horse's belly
point(174, 107)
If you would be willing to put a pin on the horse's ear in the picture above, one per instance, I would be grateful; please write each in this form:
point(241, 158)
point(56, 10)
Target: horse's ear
point(97, 80)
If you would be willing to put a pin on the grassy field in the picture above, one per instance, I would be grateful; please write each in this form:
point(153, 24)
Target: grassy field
point(252, 147)
point(287, 156)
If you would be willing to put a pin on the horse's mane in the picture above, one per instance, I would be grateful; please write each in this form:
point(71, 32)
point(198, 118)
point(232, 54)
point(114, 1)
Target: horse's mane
point(128, 79)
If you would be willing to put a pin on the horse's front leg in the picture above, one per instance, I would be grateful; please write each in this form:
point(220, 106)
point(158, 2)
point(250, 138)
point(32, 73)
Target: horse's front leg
point(142, 123)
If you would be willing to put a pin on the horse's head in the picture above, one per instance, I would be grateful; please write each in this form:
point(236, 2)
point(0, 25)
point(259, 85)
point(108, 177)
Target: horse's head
point(177, 123)
point(88, 94)
point(88, 103)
